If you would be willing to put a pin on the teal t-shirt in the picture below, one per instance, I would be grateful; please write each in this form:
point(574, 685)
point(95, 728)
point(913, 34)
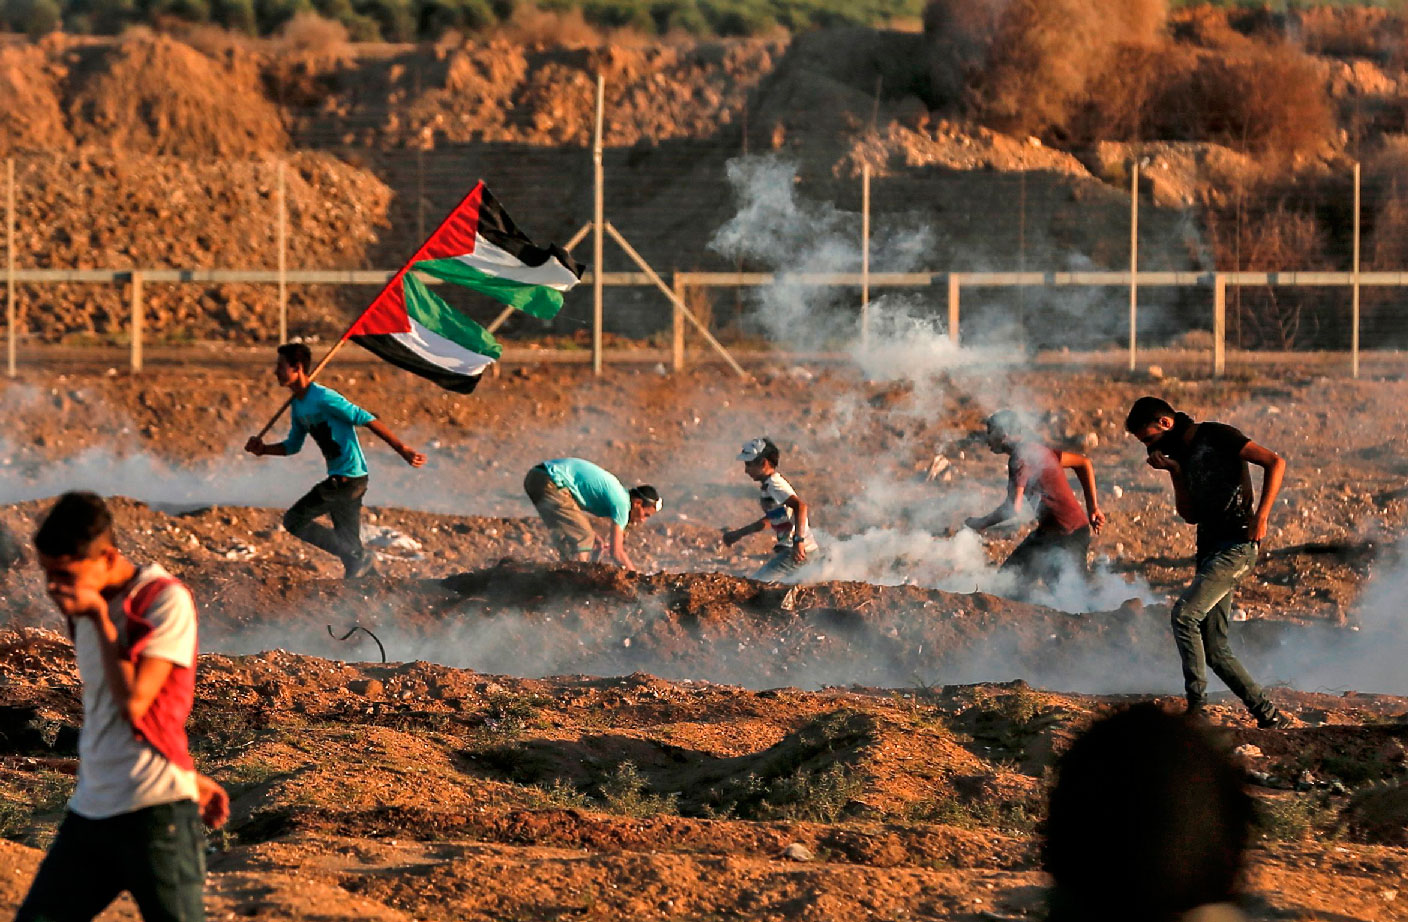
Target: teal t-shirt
point(595, 490)
point(332, 420)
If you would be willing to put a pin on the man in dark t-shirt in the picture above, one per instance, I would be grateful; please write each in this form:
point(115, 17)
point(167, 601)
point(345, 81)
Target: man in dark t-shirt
point(1060, 543)
point(1212, 488)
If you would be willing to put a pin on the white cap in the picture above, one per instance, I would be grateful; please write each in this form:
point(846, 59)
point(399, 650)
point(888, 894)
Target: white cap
point(753, 449)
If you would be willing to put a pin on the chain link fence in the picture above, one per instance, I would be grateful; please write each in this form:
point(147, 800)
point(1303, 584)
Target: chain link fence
point(1033, 255)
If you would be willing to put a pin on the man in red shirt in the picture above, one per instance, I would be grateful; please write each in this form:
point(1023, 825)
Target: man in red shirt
point(134, 821)
point(1061, 540)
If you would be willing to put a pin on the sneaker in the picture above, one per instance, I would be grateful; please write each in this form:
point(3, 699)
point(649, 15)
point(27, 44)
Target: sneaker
point(1275, 720)
point(361, 566)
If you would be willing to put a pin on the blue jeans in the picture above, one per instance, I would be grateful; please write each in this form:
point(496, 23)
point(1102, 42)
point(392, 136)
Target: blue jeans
point(1200, 619)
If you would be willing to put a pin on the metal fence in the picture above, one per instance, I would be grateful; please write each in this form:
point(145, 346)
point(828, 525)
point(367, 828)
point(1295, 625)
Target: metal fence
point(1039, 255)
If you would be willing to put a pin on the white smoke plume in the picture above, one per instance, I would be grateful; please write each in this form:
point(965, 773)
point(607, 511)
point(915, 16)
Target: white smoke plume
point(902, 535)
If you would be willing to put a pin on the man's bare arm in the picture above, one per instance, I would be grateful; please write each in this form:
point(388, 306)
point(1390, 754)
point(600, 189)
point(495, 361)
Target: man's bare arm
point(1085, 473)
point(801, 527)
point(408, 454)
point(733, 536)
point(1182, 500)
point(1274, 467)
point(618, 547)
point(1009, 509)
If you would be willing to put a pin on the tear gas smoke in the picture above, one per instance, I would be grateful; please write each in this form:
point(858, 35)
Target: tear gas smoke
point(906, 341)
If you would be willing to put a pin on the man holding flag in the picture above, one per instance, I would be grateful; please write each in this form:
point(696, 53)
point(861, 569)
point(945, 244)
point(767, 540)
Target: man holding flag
point(477, 247)
point(332, 420)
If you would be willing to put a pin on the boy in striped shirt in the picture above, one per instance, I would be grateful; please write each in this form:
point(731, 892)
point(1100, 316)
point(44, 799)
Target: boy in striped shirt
point(783, 511)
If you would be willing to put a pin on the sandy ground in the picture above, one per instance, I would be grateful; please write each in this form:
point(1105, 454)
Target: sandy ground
point(554, 740)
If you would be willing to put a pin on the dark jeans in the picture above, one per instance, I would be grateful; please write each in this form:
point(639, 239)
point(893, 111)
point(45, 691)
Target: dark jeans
point(157, 854)
point(340, 498)
point(1044, 556)
point(1200, 619)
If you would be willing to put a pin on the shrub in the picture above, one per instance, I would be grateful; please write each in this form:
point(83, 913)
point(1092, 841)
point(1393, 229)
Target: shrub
point(1268, 99)
point(34, 17)
point(623, 791)
point(1025, 65)
point(394, 18)
point(307, 33)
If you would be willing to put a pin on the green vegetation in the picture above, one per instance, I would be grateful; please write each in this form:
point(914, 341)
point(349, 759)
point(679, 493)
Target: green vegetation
point(43, 792)
point(1296, 817)
point(623, 792)
point(1017, 816)
point(419, 20)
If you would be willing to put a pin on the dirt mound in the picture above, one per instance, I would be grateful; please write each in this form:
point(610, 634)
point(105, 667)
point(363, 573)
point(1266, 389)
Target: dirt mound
point(374, 791)
point(498, 91)
point(153, 94)
point(33, 118)
point(162, 211)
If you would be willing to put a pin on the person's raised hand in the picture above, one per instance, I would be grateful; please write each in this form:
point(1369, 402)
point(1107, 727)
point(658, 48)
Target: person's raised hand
point(1097, 521)
point(255, 446)
point(731, 537)
point(79, 601)
point(1162, 462)
point(413, 457)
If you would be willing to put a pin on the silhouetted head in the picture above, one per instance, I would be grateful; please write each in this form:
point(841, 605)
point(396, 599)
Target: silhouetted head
point(1149, 819)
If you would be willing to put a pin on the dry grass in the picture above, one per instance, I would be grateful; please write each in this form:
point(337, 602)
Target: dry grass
point(1035, 59)
point(1080, 71)
point(310, 35)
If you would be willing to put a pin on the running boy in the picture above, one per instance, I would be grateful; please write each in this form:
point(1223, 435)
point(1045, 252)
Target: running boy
point(783, 509)
point(1212, 488)
point(332, 421)
point(134, 821)
point(565, 491)
point(1060, 543)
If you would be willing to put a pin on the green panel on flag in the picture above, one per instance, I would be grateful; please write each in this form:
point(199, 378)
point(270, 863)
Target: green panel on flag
point(427, 309)
point(539, 300)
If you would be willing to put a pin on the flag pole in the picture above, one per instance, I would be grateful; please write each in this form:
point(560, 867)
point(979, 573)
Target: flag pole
point(342, 340)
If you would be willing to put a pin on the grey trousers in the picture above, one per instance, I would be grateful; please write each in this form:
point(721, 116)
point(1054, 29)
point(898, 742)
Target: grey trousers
point(1200, 619)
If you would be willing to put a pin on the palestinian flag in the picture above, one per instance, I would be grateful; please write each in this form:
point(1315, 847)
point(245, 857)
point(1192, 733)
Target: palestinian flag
point(477, 246)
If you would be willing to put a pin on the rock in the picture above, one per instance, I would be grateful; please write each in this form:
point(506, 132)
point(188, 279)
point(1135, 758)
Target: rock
point(1155, 372)
point(1248, 751)
point(1090, 441)
point(371, 688)
point(798, 852)
point(1393, 751)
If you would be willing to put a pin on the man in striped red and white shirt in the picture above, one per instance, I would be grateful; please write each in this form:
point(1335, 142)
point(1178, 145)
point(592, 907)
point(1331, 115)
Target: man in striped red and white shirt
point(134, 821)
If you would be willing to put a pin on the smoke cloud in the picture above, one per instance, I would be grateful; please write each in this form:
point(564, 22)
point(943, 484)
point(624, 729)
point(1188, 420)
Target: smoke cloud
point(906, 340)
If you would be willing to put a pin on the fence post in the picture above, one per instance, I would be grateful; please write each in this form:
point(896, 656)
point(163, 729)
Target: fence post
point(598, 225)
point(1219, 324)
point(1354, 285)
point(11, 334)
point(954, 280)
point(677, 327)
point(864, 255)
point(1134, 265)
point(136, 292)
point(283, 257)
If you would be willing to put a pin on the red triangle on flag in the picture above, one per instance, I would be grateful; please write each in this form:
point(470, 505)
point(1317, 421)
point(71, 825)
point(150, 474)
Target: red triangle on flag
point(454, 237)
